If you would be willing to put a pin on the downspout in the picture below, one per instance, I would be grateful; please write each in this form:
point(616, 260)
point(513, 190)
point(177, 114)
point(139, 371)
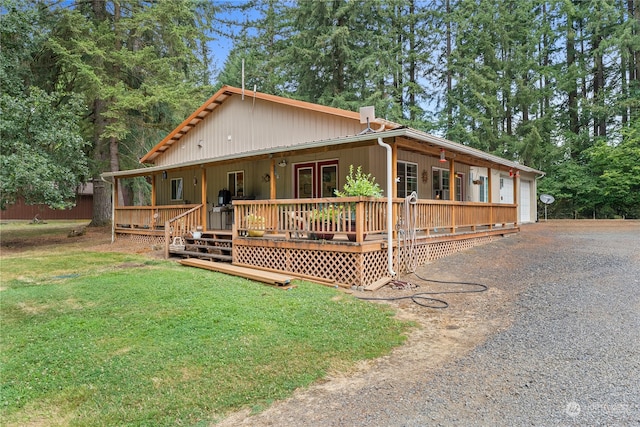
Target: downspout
point(389, 208)
point(113, 208)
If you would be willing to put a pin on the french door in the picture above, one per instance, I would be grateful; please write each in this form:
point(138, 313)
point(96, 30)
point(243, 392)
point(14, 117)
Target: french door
point(315, 179)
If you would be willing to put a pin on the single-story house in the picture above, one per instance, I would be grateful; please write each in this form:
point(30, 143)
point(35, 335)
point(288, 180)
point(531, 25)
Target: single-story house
point(248, 160)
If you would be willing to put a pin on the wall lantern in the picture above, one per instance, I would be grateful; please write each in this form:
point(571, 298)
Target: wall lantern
point(442, 158)
point(164, 174)
point(283, 163)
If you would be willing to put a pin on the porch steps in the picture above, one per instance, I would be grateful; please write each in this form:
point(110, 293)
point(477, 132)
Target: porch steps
point(213, 246)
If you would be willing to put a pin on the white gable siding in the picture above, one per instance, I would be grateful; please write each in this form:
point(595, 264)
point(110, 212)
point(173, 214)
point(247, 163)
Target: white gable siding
point(243, 126)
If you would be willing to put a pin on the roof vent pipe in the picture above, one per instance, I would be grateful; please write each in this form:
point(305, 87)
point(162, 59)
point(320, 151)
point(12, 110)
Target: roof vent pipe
point(389, 208)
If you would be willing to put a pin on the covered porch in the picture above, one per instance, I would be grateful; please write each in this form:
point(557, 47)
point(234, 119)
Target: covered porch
point(343, 240)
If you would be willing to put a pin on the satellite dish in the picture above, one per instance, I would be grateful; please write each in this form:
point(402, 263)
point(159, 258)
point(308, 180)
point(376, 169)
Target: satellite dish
point(547, 199)
point(367, 114)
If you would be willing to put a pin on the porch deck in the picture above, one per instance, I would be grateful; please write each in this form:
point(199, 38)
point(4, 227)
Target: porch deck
point(340, 239)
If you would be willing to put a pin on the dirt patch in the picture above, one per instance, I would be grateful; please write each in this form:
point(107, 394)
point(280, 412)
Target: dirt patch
point(94, 239)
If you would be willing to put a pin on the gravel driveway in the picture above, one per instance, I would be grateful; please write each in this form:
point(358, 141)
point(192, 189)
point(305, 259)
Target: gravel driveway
point(554, 342)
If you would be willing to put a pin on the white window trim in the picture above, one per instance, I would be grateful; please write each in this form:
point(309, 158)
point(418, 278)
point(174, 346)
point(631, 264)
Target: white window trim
point(407, 193)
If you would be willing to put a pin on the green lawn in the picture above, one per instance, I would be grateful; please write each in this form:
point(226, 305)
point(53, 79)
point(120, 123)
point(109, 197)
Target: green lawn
point(103, 339)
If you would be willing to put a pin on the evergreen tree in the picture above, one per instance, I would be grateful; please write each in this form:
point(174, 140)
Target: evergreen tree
point(42, 157)
point(138, 65)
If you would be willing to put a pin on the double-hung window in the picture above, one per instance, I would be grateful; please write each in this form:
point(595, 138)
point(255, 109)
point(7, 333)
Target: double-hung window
point(407, 178)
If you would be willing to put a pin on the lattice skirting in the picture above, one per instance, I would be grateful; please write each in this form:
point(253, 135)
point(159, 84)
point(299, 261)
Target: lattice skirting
point(353, 269)
point(143, 240)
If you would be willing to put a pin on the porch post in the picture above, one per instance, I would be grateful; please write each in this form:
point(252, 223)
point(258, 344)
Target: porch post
point(272, 179)
point(490, 198)
point(115, 191)
point(203, 195)
point(452, 192)
point(153, 190)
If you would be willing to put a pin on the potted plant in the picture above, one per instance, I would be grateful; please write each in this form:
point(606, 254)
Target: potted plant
point(358, 184)
point(322, 221)
point(255, 225)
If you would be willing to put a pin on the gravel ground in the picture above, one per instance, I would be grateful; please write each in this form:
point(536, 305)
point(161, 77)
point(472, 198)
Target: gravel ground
point(554, 342)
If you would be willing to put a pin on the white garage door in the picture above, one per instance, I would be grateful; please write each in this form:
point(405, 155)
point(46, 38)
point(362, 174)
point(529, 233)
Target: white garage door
point(525, 201)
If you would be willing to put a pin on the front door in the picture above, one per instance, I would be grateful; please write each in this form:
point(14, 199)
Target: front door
point(315, 179)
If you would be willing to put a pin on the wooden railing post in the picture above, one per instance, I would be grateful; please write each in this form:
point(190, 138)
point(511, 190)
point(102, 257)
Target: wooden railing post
point(360, 220)
point(167, 239)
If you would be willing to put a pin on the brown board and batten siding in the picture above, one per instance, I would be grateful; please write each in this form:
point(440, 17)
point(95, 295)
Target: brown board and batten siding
point(82, 210)
point(250, 125)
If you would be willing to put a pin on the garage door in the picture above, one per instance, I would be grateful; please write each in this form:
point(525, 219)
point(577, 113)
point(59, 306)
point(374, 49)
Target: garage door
point(525, 201)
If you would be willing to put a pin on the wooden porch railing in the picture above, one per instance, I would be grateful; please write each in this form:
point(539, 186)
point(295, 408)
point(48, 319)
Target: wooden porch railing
point(358, 217)
point(180, 225)
point(148, 217)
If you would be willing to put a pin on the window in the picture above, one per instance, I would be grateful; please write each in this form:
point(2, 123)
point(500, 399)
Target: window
point(236, 183)
point(329, 179)
point(441, 184)
point(459, 187)
point(484, 189)
point(176, 188)
point(407, 178)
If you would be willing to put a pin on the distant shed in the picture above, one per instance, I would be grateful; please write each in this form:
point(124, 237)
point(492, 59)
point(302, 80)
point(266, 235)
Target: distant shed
point(82, 210)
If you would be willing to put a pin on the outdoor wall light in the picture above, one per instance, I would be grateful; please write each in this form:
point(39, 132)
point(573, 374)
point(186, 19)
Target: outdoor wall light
point(164, 174)
point(283, 163)
point(442, 158)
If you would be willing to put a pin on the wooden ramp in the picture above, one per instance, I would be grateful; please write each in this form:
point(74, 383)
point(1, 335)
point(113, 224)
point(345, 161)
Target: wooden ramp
point(248, 273)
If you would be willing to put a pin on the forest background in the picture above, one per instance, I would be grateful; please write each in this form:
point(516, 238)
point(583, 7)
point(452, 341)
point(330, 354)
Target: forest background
point(89, 86)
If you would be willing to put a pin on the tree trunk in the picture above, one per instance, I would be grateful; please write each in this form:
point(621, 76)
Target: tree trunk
point(599, 121)
point(449, 71)
point(412, 62)
point(101, 203)
point(574, 126)
point(101, 191)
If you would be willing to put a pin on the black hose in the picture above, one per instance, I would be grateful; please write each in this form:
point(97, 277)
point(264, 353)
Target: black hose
point(440, 304)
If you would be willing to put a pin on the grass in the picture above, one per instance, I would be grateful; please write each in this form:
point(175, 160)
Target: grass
point(19, 229)
point(101, 339)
